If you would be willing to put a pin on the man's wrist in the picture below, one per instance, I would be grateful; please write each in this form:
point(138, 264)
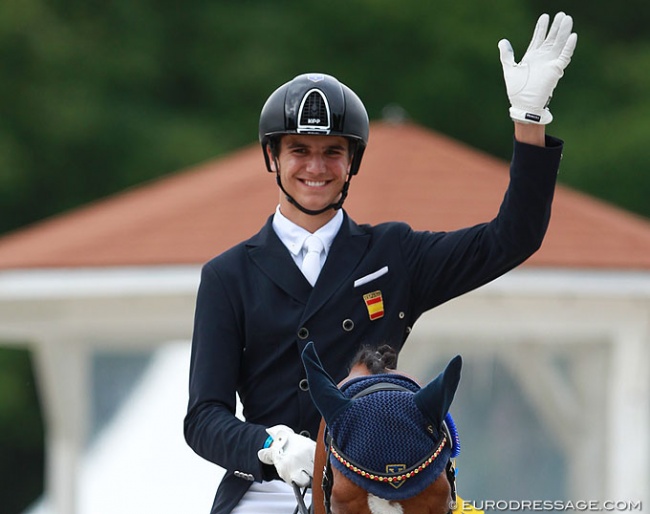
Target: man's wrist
point(531, 134)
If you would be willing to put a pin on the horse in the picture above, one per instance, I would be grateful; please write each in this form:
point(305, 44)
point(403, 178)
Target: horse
point(385, 445)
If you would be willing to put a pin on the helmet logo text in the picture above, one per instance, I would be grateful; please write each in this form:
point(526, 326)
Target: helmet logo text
point(314, 113)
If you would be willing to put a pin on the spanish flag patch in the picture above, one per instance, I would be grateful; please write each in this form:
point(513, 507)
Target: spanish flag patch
point(375, 305)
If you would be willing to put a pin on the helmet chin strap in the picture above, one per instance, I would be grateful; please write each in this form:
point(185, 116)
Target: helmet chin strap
point(336, 205)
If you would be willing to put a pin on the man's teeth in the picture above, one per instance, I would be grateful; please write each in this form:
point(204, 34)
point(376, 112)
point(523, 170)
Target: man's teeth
point(313, 183)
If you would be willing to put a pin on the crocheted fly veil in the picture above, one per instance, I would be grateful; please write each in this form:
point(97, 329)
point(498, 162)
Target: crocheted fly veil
point(386, 433)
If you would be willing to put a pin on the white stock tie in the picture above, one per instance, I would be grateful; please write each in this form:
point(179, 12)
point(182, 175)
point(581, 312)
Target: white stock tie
point(311, 263)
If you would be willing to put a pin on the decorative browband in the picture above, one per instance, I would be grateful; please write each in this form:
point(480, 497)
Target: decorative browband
point(385, 477)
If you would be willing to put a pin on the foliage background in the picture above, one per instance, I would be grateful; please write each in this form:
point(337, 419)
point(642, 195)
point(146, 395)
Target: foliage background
point(100, 95)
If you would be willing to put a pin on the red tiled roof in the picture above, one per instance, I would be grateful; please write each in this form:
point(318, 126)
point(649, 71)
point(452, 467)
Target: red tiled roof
point(409, 173)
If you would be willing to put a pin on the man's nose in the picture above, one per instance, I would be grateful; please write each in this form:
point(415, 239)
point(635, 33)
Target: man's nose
point(316, 164)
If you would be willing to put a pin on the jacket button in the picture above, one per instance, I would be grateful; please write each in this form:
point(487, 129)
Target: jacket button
point(348, 325)
point(304, 385)
point(303, 333)
point(305, 433)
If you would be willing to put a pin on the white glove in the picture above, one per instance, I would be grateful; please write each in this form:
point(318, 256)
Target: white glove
point(291, 454)
point(530, 83)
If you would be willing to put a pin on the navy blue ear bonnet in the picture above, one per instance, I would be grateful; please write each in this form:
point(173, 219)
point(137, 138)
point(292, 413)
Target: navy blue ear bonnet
point(396, 438)
point(388, 435)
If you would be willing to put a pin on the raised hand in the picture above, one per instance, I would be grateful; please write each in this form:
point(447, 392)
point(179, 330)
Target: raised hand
point(531, 81)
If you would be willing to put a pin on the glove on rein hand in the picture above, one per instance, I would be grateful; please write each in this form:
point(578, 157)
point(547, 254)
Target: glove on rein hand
point(530, 83)
point(291, 454)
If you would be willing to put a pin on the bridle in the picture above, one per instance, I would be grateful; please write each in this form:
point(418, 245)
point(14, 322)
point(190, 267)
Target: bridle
point(448, 437)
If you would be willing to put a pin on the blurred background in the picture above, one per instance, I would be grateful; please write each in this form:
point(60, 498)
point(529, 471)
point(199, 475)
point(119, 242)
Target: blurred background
point(98, 96)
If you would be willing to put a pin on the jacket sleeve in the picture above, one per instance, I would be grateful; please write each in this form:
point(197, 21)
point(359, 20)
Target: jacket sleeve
point(211, 427)
point(444, 265)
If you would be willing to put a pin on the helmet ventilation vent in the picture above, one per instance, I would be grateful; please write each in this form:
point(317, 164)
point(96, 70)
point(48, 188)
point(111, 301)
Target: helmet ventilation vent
point(314, 114)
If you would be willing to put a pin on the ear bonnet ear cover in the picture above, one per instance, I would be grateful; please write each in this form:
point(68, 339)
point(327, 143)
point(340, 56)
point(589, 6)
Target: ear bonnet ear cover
point(388, 432)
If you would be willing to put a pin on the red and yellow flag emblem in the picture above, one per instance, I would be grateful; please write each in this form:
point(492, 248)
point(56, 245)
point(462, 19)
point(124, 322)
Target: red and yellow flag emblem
point(375, 304)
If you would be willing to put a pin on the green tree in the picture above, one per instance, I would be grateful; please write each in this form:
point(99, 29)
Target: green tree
point(100, 96)
point(21, 429)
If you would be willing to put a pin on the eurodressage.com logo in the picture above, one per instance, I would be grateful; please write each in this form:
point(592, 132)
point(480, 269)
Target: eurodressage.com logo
point(554, 505)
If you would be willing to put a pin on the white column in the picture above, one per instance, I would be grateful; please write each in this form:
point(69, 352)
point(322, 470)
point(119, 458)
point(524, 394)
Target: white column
point(62, 372)
point(587, 451)
point(628, 419)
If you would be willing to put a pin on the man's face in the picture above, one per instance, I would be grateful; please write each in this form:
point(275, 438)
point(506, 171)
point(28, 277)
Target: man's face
point(313, 169)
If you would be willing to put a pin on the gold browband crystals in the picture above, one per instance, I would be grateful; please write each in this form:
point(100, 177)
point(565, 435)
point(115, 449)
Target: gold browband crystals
point(393, 478)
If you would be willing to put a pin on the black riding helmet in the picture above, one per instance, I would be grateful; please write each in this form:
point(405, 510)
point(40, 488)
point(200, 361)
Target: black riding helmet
point(315, 103)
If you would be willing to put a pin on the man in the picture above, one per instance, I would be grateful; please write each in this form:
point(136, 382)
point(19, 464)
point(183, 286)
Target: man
point(257, 307)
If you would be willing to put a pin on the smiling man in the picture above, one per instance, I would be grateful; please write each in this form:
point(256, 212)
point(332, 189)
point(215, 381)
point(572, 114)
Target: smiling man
point(313, 274)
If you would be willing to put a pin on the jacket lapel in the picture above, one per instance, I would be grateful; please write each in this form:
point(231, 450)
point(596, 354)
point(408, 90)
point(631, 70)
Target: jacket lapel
point(272, 257)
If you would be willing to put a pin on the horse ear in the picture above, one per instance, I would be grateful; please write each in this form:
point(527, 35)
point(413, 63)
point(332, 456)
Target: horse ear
point(327, 397)
point(435, 398)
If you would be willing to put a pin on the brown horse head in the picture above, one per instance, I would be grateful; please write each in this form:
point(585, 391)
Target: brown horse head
point(387, 439)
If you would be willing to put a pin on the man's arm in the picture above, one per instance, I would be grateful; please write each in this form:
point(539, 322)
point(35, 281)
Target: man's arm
point(531, 134)
point(211, 428)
